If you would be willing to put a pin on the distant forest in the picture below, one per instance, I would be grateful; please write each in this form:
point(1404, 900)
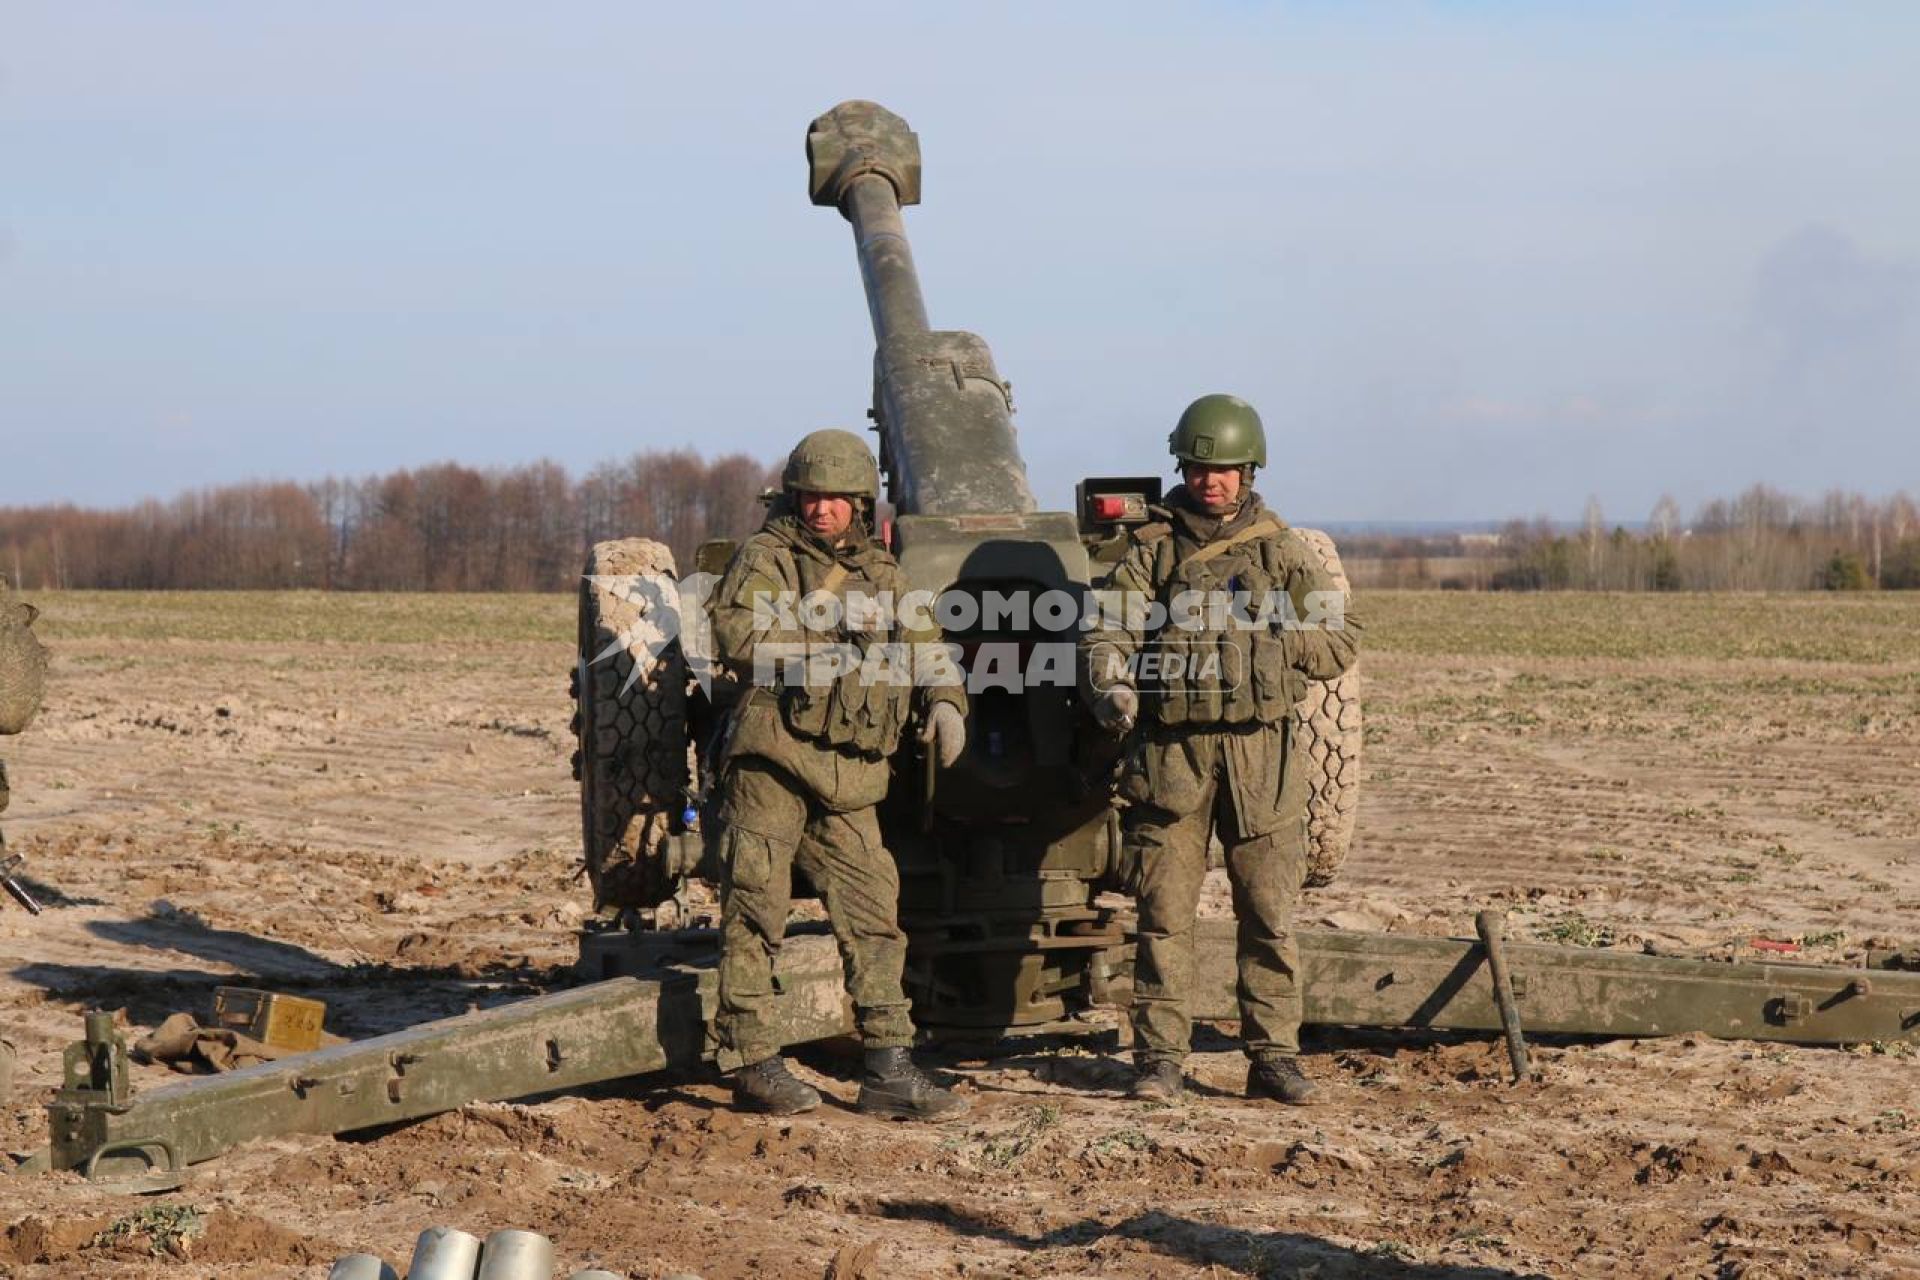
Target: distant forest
point(438, 528)
point(455, 528)
point(1763, 540)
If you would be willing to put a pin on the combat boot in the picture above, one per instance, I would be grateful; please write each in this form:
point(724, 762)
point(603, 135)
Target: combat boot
point(893, 1087)
point(767, 1085)
point(1157, 1080)
point(1278, 1076)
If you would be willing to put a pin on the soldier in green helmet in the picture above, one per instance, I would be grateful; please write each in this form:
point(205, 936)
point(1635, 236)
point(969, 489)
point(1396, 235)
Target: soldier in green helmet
point(807, 761)
point(1208, 695)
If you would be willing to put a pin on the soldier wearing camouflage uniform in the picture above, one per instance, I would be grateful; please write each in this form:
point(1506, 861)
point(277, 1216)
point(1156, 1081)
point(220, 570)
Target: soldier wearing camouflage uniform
point(1213, 752)
point(806, 760)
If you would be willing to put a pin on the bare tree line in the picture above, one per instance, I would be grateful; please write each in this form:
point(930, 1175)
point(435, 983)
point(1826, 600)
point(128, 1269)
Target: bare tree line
point(455, 528)
point(439, 528)
point(1762, 540)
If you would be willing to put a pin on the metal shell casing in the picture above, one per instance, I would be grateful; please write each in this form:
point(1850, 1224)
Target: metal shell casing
point(444, 1253)
point(516, 1255)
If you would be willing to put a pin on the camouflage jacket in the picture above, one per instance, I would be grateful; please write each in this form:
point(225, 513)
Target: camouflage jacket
point(835, 670)
point(1234, 672)
point(1247, 614)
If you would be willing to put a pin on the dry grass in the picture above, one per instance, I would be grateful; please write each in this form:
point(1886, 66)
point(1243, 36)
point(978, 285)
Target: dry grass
point(293, 617)
point(1808, 627)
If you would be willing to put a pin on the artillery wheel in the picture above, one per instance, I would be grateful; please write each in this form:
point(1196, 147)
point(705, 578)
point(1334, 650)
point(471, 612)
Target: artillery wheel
point(630, 713)
point(1329, 737)
point(23, 663)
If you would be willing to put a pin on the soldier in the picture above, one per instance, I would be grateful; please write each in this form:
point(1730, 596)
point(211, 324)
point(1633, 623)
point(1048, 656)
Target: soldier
point(1215, 691)
point(806, 762)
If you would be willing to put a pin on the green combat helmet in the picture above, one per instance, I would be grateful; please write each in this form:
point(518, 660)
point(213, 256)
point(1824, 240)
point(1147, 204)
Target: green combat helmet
point(832, 461)
point(1220, 431)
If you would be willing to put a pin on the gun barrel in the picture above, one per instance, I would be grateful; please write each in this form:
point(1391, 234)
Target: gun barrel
point(945, 415)
point(886, 259)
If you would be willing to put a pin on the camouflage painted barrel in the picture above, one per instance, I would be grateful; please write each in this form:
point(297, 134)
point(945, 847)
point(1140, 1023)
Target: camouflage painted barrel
point(23, 665)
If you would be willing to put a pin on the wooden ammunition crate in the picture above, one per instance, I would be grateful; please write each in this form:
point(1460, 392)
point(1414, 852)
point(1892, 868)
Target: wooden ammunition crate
point(286, 1022)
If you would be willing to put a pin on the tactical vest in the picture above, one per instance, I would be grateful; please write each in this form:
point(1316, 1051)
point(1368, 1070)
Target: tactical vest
point(864, 708)
point(1211, 666)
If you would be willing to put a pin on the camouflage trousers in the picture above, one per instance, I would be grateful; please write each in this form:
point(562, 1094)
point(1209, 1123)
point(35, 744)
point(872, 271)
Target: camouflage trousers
point(769, 825)
point(1169, 849)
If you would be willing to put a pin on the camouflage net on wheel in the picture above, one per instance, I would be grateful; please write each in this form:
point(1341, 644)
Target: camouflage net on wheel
point(630, 713)
point(1330, 739)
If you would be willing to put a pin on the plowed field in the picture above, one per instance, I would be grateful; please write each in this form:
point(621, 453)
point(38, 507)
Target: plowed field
point(366, 799)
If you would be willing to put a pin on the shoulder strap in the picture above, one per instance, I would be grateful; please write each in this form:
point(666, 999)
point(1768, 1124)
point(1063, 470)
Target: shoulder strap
point(870, 560)
point(1260, 528)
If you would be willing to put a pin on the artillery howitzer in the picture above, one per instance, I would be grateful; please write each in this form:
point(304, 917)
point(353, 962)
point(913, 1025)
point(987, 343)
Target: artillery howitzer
point(1004, 860)
point(1004, 857)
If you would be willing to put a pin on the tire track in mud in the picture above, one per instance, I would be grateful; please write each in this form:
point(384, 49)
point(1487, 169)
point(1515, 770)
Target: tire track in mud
point(1691, 840)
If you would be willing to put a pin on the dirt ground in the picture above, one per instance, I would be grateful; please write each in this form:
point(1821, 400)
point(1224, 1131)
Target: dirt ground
point(366, 799)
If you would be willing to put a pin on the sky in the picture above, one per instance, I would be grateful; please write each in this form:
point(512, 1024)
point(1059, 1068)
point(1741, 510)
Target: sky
point(1470, 260)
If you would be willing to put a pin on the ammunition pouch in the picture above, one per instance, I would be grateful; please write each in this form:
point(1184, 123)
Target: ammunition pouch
point(856, 694)
point(859, 711)
point(1222, 659)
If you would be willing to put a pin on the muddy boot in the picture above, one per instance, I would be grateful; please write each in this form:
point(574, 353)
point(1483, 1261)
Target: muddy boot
point(1157, 1080)
point(1278, 1076)
point(895, 1088)
point(768, 1086)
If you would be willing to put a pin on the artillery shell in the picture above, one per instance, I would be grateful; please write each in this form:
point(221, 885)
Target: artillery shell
point(444, 1253)
point(516, 1255)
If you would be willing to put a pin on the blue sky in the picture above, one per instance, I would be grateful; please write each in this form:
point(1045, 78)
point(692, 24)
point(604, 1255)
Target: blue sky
point(1470, 260)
